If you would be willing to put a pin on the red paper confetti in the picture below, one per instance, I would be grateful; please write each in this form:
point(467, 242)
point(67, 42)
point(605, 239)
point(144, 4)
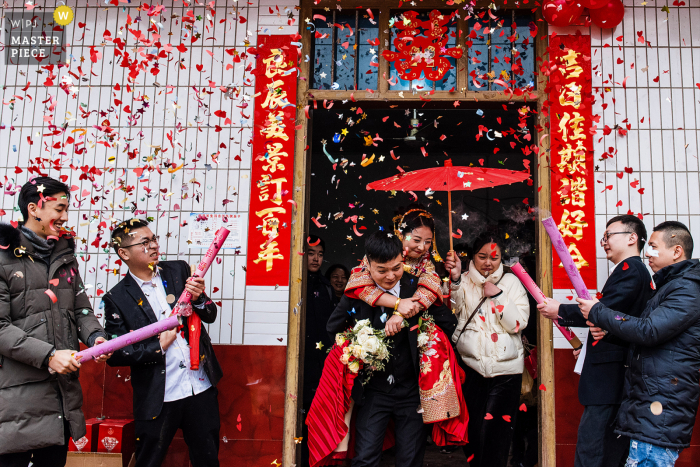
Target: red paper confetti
point(51, 295)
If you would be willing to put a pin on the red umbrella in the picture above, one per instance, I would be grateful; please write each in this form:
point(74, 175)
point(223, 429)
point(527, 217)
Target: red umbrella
point(449, 178)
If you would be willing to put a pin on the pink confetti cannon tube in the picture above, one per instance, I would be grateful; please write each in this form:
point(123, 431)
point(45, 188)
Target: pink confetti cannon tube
point(202, 268)
point(563, 251)
point(182, 308)
point(540, 297)
point(128, 339)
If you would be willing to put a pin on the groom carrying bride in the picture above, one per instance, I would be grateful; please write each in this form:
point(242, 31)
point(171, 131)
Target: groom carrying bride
point(392, 392)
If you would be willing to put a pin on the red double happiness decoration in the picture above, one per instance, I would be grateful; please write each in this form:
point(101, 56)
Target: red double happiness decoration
point(272, 171)
point(418, 54)
point(572, 159)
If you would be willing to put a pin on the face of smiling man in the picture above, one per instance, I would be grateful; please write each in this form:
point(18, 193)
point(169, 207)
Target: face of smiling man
point(140, 249)
point(48, 220)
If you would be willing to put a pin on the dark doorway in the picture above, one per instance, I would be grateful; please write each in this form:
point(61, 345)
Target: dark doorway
point(390, 137)
point(338, 192)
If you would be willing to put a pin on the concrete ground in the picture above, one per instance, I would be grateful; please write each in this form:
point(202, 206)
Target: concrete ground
point(433, 458)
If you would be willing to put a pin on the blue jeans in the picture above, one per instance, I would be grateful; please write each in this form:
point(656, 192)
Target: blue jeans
point(649, 455)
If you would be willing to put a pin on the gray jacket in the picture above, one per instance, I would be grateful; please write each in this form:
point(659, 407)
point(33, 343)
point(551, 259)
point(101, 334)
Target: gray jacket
point(33, 402)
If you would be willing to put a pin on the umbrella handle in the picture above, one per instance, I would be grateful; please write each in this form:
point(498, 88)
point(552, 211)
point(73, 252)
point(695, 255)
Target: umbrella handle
point(449, 213)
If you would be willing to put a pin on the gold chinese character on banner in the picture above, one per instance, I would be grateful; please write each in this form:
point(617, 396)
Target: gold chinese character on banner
point(570, 95)
point(572, 224)
point(572, 68)
point(274, 126)
point(276, 96)
point(573, 159)
point(270, 229)
point(269, 253)
point(575, 131)
point(274, 63)
point(273, 157)
point(572, 191)
point(266, 181)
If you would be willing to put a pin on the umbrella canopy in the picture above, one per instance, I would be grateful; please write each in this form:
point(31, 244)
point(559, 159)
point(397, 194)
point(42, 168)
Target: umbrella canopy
point(449, 178)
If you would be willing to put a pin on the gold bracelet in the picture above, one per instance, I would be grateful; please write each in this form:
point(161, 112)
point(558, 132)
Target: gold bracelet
point(398, 314)
point(396, 305)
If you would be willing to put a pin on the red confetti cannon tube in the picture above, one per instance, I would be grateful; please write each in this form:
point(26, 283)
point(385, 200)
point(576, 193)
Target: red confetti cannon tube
point(183, 308)
point(539, 297)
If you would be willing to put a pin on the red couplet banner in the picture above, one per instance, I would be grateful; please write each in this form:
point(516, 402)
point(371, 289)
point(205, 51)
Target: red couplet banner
point(572, 159)
point(272, 171)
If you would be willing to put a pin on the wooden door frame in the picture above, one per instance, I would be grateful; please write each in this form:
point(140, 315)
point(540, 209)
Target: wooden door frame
point(296, 331)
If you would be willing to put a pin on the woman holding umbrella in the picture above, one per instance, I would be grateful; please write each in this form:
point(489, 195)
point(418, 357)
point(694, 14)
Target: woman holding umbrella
point(493, 309)
point(416, 229)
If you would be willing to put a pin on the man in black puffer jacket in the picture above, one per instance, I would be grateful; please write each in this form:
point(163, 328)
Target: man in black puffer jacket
point(661, 386)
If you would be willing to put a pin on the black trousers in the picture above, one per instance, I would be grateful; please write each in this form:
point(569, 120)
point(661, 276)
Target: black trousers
point(489, 440)
point(525, 442)
point(401, 404)
point(198, 416)
point(51, 456)
point(597, 444)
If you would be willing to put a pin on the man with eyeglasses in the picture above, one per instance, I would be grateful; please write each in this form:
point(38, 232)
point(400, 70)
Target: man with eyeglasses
point(168, 395)
point(600, 388)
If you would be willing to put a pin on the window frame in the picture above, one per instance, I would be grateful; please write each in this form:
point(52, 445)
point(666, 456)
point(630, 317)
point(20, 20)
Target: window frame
point(382, 13)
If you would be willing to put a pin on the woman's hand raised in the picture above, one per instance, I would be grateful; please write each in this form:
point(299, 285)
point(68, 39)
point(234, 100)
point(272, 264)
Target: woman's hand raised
point(454, 265)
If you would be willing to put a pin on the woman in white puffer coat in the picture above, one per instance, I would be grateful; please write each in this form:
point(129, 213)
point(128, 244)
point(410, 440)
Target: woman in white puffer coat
point(491, 347)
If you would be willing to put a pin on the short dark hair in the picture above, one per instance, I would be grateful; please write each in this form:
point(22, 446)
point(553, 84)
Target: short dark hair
point(485, 238)
point(312, 241)
point(633, 224)
point(382, 246)
point(30, 193)
point(333, 267)
point(121, 232)
point(676, 233)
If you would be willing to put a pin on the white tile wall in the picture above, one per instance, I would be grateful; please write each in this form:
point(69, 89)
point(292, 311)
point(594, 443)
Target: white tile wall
point(246, 316)
point(663, 149)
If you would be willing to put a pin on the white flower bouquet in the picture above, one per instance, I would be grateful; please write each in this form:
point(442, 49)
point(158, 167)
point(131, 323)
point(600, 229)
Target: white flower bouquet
point(364, 348)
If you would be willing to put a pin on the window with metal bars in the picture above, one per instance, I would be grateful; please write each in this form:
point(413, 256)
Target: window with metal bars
point(501, 48)
point(346, 50)
point(345, 54)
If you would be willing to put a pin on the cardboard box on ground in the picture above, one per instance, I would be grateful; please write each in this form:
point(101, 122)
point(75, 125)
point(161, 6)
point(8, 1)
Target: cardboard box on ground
point(97, 459)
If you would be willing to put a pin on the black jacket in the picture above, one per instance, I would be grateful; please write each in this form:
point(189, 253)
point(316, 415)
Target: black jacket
point(664, 358)
point(343, 318)
point(319, 306)
point(126, 309)
point(628, 289)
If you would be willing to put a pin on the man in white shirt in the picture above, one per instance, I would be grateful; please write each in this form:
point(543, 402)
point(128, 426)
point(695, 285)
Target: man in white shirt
point(168, 393)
